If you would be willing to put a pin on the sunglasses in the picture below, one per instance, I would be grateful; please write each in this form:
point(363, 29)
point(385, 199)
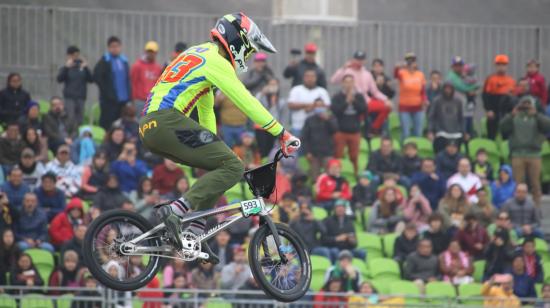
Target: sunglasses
point(64, 152)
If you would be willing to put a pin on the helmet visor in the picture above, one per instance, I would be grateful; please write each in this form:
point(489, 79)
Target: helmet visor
point(258, 40)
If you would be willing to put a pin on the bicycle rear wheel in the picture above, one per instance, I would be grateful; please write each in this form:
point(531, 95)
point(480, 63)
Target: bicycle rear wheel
point(286, 281)
point(104, 245)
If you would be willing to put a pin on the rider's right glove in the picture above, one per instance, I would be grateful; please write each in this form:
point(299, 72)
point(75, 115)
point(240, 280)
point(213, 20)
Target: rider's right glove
point(289, 143)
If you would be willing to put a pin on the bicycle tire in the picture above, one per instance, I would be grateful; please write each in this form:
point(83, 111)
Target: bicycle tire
point(257, 272)
point(96, 269)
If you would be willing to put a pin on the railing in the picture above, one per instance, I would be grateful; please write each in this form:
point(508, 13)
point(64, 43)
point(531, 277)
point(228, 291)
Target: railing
point(42, 296)
point(34, 40)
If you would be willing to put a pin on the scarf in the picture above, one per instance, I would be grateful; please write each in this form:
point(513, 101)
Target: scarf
point(531, 266)
point(448, 259)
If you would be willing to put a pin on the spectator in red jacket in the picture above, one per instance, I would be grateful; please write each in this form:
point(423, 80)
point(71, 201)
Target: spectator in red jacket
point(61, 227)
point(165, 177)
point(331, 186)
point(143, 75)
point(473, 238)
point(537, 82)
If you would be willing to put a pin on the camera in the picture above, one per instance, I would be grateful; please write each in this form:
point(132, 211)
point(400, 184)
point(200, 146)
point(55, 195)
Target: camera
point(295, 52)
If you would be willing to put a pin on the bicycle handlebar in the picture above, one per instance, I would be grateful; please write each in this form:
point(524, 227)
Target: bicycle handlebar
point(279, 154)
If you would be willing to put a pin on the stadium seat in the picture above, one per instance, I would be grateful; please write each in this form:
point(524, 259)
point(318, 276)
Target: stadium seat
point(366, 214)
point(424, 145)
point(481, 128)
point(98, 133)
point(375, 144)
point(319, 213)
point(217, 302)
point(394, 125)
point(439, 292)
point(371, 243)
point(7, 302)
point(44, 106)
point(303, 164)
point(319, 266)
point(36, 301)
point(388, 241)
point(64, 301)
point(384, 269)
point(541, 247)
point(94, 113)
point(43, 260)
point(538, 288)
point(504, 152)
point(546, 270)
point(382, 286)
point(407, 288)
point(136, 303)
point(479, 269)
point(361, 266)
point(545, 155)
point(348, 172)
point(363, 146)
point(489, 145)
point(470, 290)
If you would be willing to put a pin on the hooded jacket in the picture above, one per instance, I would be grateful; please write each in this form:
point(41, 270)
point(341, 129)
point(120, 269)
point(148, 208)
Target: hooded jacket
point(61, 227)
point(445, 115)
point(503, 191)
point(12, 103)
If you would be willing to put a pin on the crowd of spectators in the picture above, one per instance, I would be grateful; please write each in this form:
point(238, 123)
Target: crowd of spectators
point(448, 209)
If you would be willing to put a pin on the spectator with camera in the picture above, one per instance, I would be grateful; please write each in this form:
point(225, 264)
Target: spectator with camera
point(498, 254)
point(128, 168)
point(526, 129)
point(296, 69)
point(473, 237)
point(344, 271)
point(386, 214)
point(75, 76)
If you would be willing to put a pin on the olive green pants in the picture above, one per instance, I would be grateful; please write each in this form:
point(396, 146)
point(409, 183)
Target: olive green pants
point(172, 135)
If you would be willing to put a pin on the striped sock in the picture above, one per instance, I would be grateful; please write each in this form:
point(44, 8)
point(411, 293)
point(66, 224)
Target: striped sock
point(197, 226)
point(180, 207)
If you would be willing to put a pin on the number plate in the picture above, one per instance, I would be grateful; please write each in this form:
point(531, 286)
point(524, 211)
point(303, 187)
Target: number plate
point(251, 207)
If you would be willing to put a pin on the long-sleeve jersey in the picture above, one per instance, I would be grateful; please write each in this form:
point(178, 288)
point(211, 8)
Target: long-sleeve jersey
point(189, 80)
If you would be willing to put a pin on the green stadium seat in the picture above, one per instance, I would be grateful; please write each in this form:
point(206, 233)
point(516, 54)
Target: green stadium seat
point(439, 292)
point(44, 106)
point(470, 290)
point(384, 269)
point(546, 270)
point(98, 133)
point(217, 302)
point(424, 145)
point(382, 286)
point(303, 164)
point(36, 301)
point(479, 269)
point(371, 243)
point(493, 152)
point(541, 247)
point(348, 172)
point(538, 288)
point(388, 241)
point(7, 302)
point(394, 125)
point(407, 288)
point(504, 152)
point(361, 266)
point(64, 301)
point(319, 213)
point(92, 114)
point(136, 303)
point(366, 214)
point(545, 156)
point(43, 261)
point(363, 146)
point(319, 266)
point(375, 144)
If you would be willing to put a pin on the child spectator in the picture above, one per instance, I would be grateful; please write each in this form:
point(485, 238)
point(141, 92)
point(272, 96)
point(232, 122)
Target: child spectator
point(434, 87)
point(503, 188)
point(165, 176)
point(364, 193)
point(9, 254)
point(483, 209)
point(411, 161)
point(247, 151)
point(331, 186)
point(417, 208)
point(453, 207)
point(447, 160)
point(524, 285)
point(177, 299)
point(482, 167)
point(317, 139)
point(385, 216)
point(344, 270)
point(174, 268)
point(146, 197)
point(61, 227)
point(431, 184)
point(50, 198)
point(94, 176)
point(473, 238)
point(68, 274)
point(13, 99)
point(456, 265)
point(406, 243)
point(498, 254)
point(24, 273)
point(436, 234)
point(532, 260)
point(333, 285)
point(83, 148)
point(91, 290)
point(537, 82)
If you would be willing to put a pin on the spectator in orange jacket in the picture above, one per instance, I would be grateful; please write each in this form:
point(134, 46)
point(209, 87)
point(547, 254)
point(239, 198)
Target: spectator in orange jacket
point(143, 75)
point(412, 96)
point(61, 227)
point(331, 186)
point(497, 95)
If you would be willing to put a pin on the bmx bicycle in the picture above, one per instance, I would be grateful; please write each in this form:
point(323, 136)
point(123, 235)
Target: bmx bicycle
point(277, 256)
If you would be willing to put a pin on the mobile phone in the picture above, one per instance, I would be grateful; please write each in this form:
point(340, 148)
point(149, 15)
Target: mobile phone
point(295, 52)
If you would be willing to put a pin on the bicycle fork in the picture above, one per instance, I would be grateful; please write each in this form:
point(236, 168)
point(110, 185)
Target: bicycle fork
point(267, 220)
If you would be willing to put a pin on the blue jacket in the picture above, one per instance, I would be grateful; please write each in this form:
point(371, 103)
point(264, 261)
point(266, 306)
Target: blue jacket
point(447, 165)
point(504, 191)
point(128, 176)
point(15, 194)
point(33, 225)
point(53, 204)
point(432, 189)
point(524, 286)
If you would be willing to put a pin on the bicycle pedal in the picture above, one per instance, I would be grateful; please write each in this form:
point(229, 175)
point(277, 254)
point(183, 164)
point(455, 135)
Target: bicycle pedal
point(203, 256)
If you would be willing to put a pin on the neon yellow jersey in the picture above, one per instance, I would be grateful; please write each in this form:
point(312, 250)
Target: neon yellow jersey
point(188, 82)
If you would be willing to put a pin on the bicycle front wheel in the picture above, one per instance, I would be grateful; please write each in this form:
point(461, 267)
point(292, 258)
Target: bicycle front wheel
point(284, 280)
